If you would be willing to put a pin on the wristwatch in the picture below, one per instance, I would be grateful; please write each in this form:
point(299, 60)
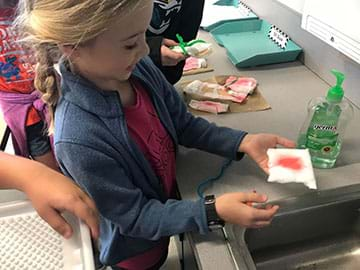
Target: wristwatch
point(213, 220)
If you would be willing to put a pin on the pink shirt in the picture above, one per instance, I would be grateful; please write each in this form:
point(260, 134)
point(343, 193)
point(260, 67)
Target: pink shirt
point(150, 135)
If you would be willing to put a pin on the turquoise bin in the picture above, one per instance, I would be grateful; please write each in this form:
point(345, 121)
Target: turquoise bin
point(247, 44)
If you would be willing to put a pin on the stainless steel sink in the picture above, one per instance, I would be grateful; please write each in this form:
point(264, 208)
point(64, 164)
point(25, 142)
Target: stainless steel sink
point(318, 230)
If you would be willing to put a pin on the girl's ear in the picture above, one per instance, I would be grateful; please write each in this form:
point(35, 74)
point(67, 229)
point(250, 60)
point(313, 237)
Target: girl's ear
point(70, 51)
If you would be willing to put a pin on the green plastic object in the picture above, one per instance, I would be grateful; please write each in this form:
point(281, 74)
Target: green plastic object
point(234, 3)
point(323, 129)
point(183, 44)
point(336, 93)
point(247, 44)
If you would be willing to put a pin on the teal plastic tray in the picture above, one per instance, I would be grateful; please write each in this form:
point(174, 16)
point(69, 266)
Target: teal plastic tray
point(247, 44)
point(222, 19)
point(234, 3)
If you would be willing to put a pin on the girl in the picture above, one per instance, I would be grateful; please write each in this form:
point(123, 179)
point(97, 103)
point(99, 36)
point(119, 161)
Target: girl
point(118, 124)
point(20, 103)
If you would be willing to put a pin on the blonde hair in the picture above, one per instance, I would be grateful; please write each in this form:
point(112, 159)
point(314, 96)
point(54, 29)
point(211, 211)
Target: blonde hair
point(46, 24)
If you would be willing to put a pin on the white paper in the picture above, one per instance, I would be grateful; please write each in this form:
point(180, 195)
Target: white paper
point(199, 49)
point(216, 13)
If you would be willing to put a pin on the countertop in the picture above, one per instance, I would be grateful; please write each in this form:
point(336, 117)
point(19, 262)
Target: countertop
point(288, 88)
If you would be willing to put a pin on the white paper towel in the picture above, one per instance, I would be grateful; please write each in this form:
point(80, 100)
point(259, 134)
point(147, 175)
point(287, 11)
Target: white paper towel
point(291, 166)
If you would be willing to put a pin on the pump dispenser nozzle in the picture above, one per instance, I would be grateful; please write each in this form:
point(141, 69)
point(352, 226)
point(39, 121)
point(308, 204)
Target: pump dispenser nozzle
point(336, 93)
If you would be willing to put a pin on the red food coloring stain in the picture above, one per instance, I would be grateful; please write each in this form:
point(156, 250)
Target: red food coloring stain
point(293, 163)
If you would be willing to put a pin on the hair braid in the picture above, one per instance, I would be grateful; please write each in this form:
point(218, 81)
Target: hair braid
point(46, 79)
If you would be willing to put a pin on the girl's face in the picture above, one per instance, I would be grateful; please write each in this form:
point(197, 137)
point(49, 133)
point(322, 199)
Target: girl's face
point(113, 54)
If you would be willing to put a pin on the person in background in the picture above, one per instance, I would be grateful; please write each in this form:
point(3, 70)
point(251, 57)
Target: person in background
point(171, 17)
point(118, 124)
point(23, 110)
point(51, 193)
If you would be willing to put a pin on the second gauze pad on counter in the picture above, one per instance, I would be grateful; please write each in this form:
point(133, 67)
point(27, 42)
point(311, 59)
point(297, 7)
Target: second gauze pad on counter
point(291, 166)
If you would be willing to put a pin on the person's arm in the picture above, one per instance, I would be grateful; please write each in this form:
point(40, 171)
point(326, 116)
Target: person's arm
point(196, 132)
point(199, 133)
point(136, 213)
point(190, 18)
point(50, 193)
point(39, 145)
point(155, 43)
point(134, 210)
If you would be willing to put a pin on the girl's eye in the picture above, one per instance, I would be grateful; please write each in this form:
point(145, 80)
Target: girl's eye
point(130, 47)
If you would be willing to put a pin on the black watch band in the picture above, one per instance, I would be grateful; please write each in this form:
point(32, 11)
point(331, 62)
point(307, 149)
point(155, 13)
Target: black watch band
point(213, 220)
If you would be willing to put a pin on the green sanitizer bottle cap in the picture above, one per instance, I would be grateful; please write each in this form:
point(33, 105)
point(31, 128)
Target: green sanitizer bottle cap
point(336, 93)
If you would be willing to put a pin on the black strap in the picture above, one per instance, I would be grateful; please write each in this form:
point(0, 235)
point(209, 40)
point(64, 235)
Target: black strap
point(5, 138)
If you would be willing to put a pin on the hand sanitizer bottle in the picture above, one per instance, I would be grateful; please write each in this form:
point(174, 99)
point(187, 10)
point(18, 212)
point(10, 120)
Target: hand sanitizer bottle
point(323, 130)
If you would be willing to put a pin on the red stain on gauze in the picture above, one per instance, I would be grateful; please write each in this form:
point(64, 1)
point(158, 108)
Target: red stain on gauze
point(293, 163)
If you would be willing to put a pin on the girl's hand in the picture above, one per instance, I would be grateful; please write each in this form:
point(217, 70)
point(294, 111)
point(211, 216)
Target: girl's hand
point(52, 193)
point(256, 146)
point(169, 57)
point(232, 208)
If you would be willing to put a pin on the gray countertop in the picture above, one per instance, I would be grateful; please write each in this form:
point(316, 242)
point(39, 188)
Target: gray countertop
point(287, 88)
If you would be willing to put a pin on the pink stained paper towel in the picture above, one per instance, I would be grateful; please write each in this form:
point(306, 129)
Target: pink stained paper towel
point(291, 166)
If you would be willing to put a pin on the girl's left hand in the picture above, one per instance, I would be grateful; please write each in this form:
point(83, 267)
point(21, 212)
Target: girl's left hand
point(256, 146)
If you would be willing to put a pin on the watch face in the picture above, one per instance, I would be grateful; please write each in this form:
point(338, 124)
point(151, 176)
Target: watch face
point(210, 199)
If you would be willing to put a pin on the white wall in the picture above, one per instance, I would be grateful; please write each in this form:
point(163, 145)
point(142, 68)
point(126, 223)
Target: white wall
point(297, 5)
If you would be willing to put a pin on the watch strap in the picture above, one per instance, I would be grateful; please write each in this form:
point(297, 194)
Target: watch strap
point(213, 220)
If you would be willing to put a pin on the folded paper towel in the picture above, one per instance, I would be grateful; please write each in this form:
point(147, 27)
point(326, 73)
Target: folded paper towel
point(198, 49)
point(291, 166)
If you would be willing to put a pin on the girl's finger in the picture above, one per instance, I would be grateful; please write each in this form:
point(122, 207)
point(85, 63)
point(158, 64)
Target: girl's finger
point(169, 42)
point(260, 224)
point(285, 142)
point(265, 214)
point(254, 197)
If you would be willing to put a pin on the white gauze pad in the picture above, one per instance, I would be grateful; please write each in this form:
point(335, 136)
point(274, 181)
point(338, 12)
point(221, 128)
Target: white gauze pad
point(291, 166)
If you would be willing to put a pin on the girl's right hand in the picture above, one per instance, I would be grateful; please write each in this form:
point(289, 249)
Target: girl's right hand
point(232, 208)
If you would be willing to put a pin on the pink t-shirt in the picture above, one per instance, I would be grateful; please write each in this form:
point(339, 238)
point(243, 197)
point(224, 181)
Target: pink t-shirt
point(150, 135)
